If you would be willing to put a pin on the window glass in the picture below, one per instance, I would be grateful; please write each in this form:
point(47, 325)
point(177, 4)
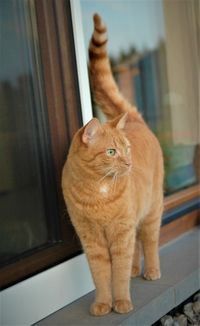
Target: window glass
point(153, 51)
point(27, 201)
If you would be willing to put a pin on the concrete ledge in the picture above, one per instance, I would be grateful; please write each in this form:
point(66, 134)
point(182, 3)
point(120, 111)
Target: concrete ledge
point(152, 299)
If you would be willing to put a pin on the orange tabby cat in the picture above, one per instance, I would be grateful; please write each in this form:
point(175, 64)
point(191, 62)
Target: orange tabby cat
point(112, 185)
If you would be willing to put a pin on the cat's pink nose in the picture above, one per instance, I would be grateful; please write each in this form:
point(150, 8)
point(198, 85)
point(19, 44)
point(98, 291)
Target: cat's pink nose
point(128, 163)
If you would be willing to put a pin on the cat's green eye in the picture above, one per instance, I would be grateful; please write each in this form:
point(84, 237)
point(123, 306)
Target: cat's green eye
point(111, 152)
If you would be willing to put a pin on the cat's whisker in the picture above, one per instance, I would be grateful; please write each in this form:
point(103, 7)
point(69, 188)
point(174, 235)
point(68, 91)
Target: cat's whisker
point(114, 182)
point(110, 171)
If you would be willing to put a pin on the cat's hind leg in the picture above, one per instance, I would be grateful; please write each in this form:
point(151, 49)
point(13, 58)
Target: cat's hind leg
point(150, 231)
point(136, 266)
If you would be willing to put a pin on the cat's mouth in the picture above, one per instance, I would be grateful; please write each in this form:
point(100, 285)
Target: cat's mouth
point(126, 170)
point(118, 171)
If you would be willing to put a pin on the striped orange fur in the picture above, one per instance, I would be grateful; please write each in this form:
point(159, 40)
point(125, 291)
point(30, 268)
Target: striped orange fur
point(112, 184)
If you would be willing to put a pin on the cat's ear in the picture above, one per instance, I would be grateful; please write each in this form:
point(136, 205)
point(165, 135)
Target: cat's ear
point(120, 121)
point(91, 131)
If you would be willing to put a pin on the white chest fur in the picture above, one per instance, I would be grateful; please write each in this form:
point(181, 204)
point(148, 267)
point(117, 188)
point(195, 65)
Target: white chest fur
point(104, 189)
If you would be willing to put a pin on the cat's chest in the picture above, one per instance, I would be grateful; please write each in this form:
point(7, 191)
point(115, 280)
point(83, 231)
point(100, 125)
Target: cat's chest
point(104, 190)
point(98, 200)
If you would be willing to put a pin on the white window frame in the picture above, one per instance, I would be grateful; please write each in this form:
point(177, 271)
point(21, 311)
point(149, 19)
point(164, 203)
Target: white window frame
point(39, 296)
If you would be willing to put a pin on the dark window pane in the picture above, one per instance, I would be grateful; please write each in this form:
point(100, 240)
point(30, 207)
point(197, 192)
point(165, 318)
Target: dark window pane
point(27, 201)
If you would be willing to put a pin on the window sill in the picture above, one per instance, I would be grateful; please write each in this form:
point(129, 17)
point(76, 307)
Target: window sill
point(181, 197)
point(180, 279)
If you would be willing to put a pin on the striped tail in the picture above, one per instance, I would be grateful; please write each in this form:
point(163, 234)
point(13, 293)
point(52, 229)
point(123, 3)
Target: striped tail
point(104, 87)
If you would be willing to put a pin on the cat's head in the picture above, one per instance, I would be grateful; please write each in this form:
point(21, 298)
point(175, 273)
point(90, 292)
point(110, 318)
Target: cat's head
point(104, 147)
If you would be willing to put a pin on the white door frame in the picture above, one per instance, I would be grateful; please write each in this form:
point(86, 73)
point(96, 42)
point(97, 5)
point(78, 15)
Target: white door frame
point(39, 296)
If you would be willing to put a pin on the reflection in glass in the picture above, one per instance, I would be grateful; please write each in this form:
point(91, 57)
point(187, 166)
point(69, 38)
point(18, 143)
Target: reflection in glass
point(153, 52)
point(24, 150)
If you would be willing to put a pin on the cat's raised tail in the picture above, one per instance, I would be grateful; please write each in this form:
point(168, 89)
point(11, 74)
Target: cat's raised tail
point(104, 87)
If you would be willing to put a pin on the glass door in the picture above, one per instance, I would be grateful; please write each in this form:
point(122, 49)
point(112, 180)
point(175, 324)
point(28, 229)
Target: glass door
point(37, 122)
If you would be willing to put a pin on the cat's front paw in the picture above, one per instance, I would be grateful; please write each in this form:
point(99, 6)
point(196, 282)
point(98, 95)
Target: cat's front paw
point(123, 306)
point(100, 309)
point(152, 274)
